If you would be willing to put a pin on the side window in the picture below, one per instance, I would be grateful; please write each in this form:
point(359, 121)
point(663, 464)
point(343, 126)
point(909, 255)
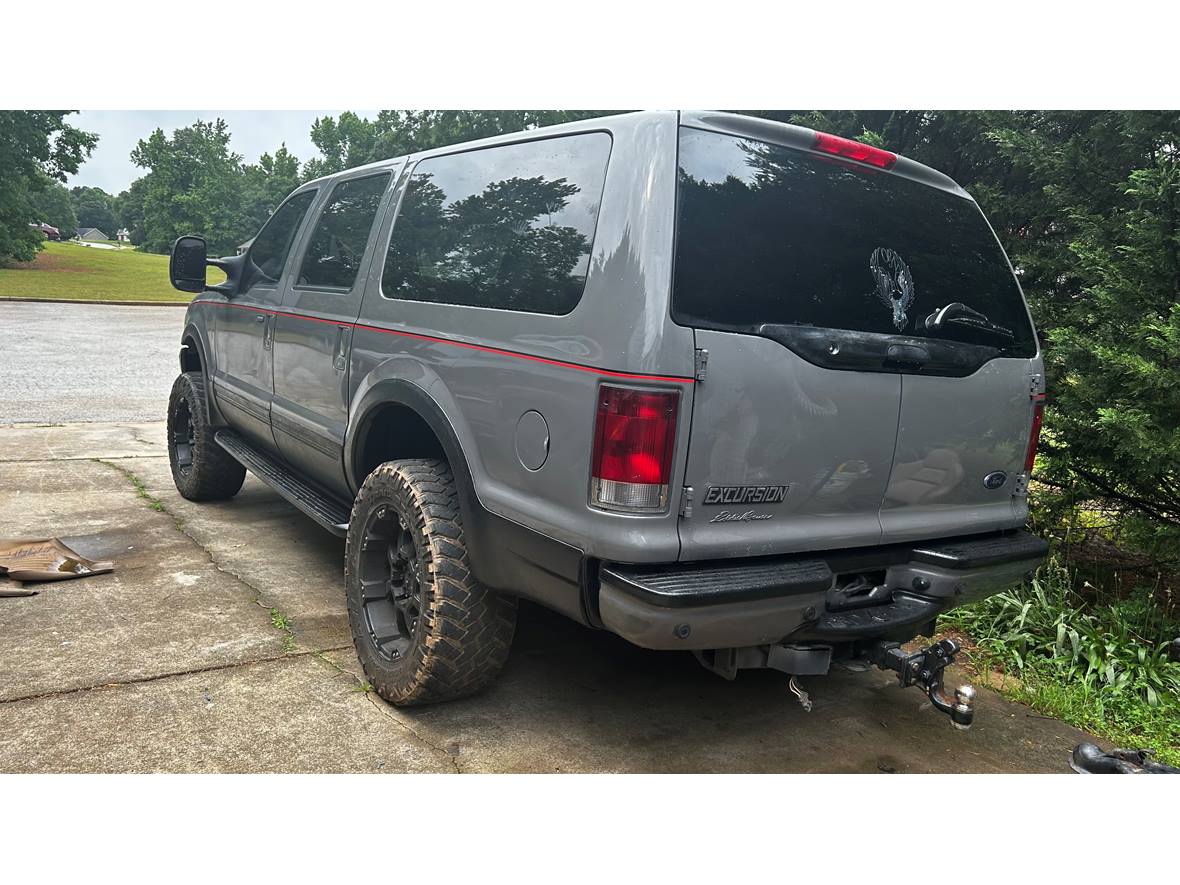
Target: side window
point(268, 252)
point(337, 245)
point(505, 227)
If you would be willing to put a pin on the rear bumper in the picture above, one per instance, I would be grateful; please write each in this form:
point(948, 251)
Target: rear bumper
point(739, 603)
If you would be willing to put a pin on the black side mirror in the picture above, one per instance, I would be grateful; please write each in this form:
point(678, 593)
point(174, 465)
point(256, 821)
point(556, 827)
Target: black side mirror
point(186, 269)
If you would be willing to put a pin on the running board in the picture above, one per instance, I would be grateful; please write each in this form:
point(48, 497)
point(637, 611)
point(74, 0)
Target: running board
point(323, 508)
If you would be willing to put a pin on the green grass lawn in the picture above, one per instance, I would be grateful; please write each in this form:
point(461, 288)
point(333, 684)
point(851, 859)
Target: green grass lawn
point(69, 270)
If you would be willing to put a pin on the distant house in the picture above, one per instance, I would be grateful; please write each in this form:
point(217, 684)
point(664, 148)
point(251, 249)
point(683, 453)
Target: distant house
point(93, 234)
point(245, 247)
point(124, 235)
point(50, 232)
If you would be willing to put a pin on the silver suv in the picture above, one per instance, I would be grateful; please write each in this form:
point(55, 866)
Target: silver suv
point(709, 382)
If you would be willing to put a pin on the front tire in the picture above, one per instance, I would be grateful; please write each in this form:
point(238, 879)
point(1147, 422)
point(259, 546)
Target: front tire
point(201, 469)
point(425, 630)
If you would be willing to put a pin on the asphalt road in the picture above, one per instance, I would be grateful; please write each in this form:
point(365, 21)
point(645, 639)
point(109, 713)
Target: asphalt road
point(86, 362)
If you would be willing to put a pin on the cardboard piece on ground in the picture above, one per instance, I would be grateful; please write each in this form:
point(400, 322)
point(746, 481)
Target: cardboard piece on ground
point(46, 559)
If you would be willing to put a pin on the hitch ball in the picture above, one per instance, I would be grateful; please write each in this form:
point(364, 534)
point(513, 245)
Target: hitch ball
point(963, 712)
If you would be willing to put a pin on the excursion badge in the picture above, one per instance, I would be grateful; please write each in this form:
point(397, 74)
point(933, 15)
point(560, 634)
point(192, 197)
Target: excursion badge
point(745, 495)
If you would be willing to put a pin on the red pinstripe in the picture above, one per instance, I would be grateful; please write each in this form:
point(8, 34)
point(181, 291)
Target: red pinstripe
point(674, 379)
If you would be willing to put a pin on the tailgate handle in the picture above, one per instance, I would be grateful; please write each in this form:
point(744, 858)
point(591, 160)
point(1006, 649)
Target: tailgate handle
point(906, 356)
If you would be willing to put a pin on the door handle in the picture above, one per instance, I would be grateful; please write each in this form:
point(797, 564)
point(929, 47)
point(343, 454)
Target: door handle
point(906, 356)
point(342, 337)
point(260, 318)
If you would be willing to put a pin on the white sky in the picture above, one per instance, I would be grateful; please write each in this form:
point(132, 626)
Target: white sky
point(254, 133)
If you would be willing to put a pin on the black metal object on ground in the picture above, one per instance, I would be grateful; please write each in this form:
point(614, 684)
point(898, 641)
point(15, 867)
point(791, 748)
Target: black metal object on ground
point(1089, 759)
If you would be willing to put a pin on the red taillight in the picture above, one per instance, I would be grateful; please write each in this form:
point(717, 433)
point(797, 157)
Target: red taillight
point(634, 436)
point(854, 150)
point(1035, 434)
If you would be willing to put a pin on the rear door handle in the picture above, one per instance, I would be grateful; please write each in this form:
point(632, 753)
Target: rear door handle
point(260, 318)
point(906, 356)
point(343, 335)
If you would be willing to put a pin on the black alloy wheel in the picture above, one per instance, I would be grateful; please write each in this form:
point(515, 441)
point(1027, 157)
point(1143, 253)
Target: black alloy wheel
point(391, 583)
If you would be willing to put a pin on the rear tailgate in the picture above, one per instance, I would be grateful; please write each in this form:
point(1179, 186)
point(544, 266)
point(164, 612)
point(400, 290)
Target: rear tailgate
point(831, 415)
point(961, 445)
point(784, 455)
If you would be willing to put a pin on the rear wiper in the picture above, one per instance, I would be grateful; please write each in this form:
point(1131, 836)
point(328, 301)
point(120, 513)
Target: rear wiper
point(961, 315)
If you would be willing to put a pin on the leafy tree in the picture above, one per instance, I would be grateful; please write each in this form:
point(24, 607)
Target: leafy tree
point(266, 184)
point(54, 206)
point(95, 208)
point(34, 146)
point(1102, 250)
point(353, 141)
point(194, 184)
point(345, 142)
point(128, 208)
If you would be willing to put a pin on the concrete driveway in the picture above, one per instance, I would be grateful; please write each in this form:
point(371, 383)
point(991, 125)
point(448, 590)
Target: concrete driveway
point(221, 643)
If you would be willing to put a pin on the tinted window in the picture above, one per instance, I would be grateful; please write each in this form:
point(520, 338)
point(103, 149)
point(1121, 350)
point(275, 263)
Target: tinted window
point(773, 235)
point(268, 252)
point(337, 245)
point(507, 227)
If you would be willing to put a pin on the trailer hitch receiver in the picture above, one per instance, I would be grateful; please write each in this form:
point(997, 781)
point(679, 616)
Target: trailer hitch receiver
point(924, 670)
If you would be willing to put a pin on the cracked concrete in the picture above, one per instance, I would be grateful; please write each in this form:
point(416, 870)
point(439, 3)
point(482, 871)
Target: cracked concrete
point(173, 663)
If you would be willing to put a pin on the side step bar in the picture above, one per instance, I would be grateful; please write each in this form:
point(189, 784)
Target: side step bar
point(328, 511)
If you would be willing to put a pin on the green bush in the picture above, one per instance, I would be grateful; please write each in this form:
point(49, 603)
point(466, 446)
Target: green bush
point(1048, 628)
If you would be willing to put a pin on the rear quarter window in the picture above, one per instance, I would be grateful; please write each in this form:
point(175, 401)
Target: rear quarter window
point(507, 227)
point(771, 235)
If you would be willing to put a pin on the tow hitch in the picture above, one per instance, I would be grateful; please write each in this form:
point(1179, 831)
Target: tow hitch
point(924, 669)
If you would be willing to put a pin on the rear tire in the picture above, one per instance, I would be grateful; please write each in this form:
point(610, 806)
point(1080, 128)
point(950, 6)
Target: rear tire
point(425, 630)
point(201, 469)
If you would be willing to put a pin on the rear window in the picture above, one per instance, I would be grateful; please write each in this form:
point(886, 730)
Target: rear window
point(506, 227)
point(771, 235)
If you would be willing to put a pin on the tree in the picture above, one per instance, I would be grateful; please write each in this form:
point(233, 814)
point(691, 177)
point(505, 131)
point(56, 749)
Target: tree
point(35, 146)
point(95, 208)
point(194, 184)
point(1100, 249)
point(353, 141)
point(128, 208)
point(344, 143)
point(267, 183)
point(55, 207)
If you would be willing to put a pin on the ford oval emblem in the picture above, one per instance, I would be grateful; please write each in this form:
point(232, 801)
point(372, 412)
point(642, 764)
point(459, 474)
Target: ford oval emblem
point(995, 480)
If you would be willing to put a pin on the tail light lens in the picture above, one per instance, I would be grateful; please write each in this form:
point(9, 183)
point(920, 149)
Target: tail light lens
point(634, 437)
point(854, 150)
point(1034, 436)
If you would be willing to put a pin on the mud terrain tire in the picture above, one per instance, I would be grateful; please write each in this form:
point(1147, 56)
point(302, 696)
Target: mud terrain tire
point(201, 469)
point(425, 630)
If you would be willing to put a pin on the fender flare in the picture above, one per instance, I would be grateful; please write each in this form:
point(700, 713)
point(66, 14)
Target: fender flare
point(194, 331)
point(504, 555)
point(398, 391)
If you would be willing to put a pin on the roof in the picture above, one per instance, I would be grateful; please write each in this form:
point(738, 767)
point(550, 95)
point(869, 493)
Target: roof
point(757, 128)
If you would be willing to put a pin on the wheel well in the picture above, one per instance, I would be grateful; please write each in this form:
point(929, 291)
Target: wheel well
point(395, 431)
point(190, 355)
